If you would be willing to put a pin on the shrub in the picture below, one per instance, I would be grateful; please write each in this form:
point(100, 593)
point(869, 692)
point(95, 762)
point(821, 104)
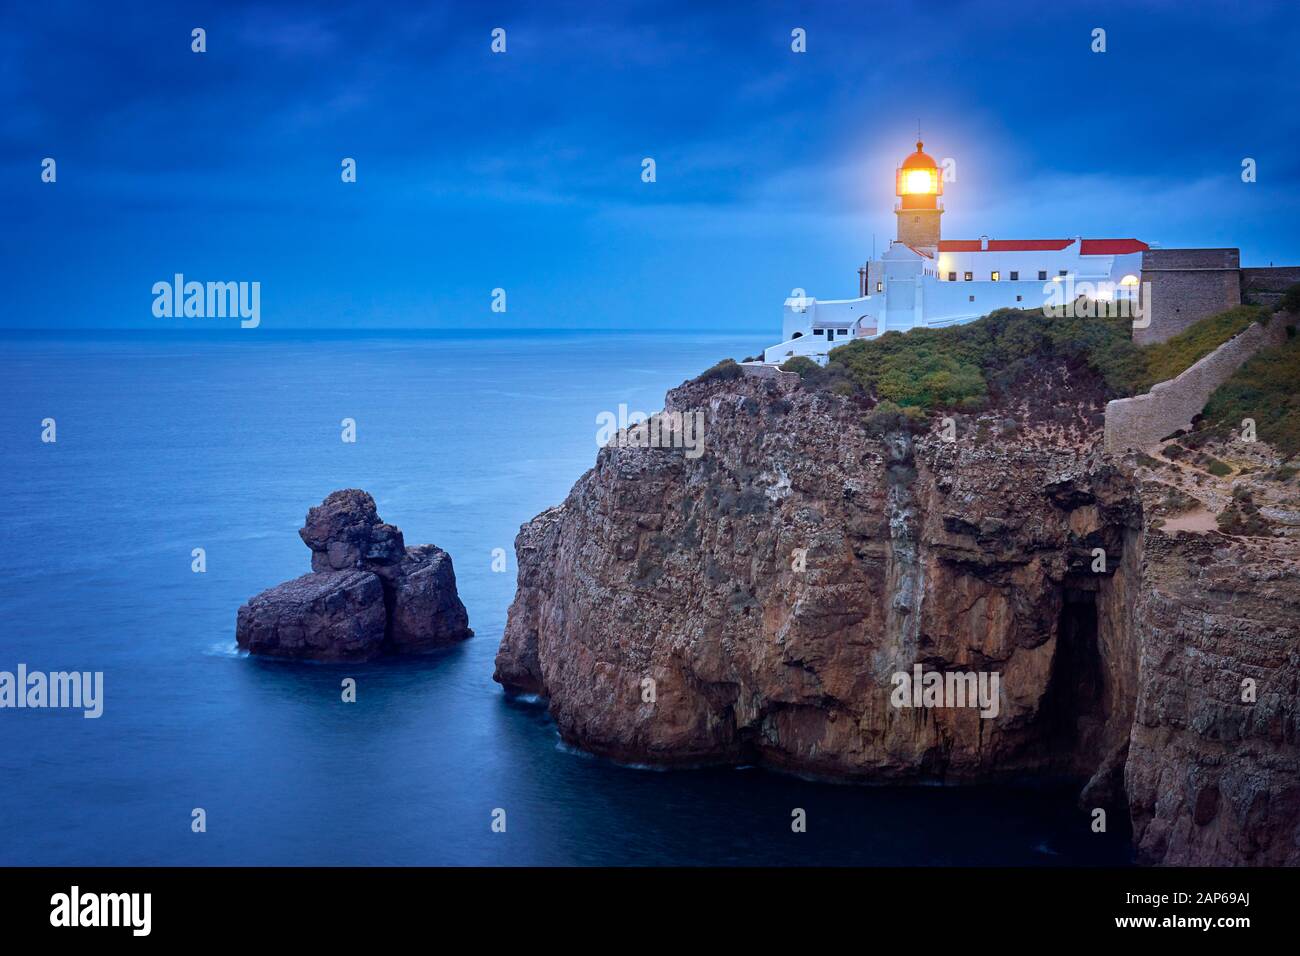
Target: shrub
point(959, 367)
point(801, 366)
point(1242, 517)
point(1291, 300)
point(725, 371)
point(888, 417)
point(1167, 359)
point(1267, 389)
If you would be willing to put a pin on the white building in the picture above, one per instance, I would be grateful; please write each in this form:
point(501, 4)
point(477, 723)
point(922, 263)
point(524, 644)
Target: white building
point(923, 281)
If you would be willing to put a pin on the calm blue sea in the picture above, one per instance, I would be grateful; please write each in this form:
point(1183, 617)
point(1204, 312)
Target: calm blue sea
point(222, 442)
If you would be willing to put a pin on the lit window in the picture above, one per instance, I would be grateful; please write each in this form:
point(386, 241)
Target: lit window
point(1042, 274)
point(969, 276)
point(952, 277)
point(1015, 277)
point(995, 275)
point(880, 286)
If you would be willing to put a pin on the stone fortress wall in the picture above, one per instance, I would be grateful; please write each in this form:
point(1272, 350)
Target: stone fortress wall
point(1183, 286)
point(1143, 420)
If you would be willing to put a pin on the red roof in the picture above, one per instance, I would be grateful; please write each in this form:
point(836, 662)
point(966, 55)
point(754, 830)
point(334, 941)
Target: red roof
point(1111, 247)
point(1088, 247)
point(1004, 245)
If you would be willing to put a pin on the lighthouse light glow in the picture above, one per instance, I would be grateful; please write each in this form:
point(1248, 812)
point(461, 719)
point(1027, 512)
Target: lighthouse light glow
point(920, 182)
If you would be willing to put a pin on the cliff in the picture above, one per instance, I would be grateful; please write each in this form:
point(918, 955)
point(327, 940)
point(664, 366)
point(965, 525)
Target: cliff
point(757, 602)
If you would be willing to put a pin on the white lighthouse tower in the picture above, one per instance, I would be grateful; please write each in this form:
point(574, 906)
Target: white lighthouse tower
point(925, 281)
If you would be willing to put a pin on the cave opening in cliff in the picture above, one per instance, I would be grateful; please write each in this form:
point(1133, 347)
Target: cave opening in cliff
point(1072, 704)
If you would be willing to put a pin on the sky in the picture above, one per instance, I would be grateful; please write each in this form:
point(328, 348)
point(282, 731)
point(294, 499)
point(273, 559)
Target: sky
point(522, 170)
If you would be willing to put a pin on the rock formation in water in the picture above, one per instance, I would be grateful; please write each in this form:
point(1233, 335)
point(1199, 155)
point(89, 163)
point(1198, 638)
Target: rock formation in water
point(367, 594)
point(755, 603)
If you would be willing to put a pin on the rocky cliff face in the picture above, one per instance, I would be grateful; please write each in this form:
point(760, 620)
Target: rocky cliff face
point(368, 594)
point(756, 602)
point(1213, 774)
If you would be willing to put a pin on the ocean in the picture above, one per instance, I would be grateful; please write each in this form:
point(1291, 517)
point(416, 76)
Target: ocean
point(167, 443)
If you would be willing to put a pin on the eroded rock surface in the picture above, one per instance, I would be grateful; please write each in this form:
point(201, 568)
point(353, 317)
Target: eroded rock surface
point(368, 594)
point(752, 604)
point(326, 615)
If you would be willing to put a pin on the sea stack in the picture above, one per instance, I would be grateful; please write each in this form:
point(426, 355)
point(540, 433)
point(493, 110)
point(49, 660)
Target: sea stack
point(367, 596)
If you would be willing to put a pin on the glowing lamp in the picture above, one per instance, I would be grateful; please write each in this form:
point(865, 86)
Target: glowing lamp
point(918, 182)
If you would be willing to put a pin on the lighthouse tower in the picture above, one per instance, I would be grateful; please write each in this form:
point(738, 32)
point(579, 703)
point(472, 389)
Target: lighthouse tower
point(918, 188)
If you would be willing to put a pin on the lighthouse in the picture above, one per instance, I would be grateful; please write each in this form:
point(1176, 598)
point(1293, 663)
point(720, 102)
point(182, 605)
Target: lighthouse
point(924, 281)
point(918, 187)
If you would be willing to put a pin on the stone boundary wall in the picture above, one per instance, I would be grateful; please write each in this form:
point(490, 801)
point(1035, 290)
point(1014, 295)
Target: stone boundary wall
point(1266, 285)
point(1143, 420)
point(762, 370)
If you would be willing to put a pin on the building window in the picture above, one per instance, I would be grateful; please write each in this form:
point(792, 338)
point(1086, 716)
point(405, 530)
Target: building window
point(969, 276)
point(1015, 277)
point(972, 298)
point(1042, 275)
point(880, 286)
point(1063, 273)
point(819, 331)
point(1019, 298)
point(995, 275)
point(952, 277)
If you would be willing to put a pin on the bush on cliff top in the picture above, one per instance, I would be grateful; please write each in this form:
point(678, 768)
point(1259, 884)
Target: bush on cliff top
point(724, 371)
point(1169, 358)
point(960, 366)
point(1267, 389)
point(963, 367)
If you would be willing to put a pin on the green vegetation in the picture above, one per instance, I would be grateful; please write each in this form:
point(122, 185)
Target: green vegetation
point(887, 417)
point(1242, 516)
point(968, 367)
point(832, 378)
point(724, 371)
point(962, 366)
point(1291, 300)
point(1167, 359)
point(1266, 389)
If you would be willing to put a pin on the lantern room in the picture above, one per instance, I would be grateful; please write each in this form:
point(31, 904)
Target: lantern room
point(918, 186)
point(918, 182)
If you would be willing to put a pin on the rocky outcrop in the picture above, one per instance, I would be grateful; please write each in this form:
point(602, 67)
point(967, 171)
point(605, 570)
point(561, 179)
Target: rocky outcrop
point(326, 615)
point(1213, 774)
point(368, 594)
point(757, 603)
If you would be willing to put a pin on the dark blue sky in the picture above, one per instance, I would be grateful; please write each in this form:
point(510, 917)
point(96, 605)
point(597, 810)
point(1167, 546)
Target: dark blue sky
point(522, 170)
